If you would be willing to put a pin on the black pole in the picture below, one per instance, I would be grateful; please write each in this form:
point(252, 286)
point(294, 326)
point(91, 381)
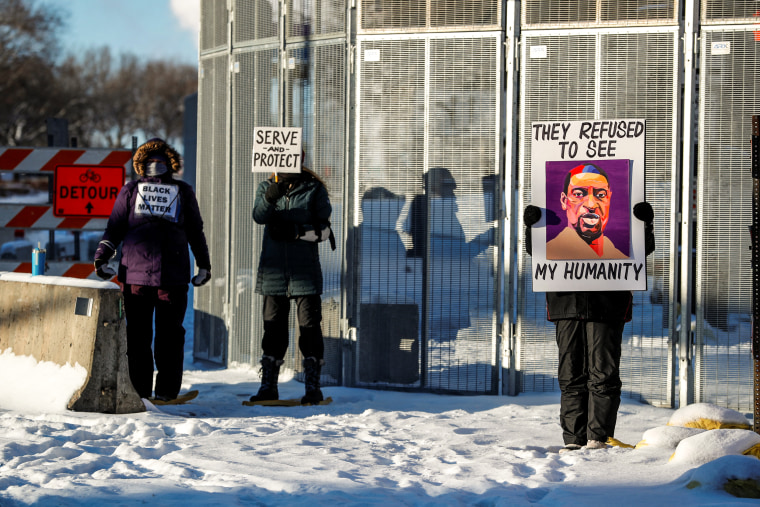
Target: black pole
point(754, 232)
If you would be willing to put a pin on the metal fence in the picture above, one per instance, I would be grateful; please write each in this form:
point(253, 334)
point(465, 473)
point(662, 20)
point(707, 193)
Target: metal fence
point(729, 96)
point(402, 108)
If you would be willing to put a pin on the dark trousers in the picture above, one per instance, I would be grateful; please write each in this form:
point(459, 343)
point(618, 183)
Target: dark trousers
point(169, 305)
point(589, 378)
point(276, 314)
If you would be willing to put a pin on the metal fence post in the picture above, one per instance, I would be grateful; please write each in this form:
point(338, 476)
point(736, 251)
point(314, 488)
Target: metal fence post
point(754, 228)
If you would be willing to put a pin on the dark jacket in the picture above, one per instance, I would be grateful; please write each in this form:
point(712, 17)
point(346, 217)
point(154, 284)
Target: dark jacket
point(155, 250)
point(602, 306)
point(289, 266)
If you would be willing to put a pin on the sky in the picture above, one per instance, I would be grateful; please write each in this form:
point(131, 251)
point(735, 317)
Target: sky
point(150, 29)
point(368, 447)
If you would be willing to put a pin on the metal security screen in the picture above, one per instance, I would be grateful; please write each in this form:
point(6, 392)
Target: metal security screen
point(254, 96)
point(427, 150)
point(600, 75)
point(416, 16)
point(730, 96)
point(294, 82)
point(544, 13)
point(314, 18)
point(256, 20)
point(315, 101)
point(213, 33)
point(721, 11)
point(213, 199)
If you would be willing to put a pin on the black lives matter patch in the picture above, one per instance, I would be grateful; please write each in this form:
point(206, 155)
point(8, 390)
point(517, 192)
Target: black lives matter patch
point(157, 200)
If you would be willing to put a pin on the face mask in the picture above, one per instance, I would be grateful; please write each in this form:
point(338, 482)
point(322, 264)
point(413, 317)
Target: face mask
point(155, 168)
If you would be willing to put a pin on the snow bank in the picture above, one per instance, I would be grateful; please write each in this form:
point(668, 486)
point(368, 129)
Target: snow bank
point(56, 280)
point(666, 437)
point(708, 417)
point(737, 475)
point(31, 386)
point(711, 445)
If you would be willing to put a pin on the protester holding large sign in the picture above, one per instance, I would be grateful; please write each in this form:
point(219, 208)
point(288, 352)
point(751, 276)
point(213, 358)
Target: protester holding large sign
point(295, 209)
point(155, 217)
point(589, 245)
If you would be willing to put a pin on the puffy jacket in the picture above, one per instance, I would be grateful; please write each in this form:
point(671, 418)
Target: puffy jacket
point(603, 306)
point(155, 250)
point(290, 266)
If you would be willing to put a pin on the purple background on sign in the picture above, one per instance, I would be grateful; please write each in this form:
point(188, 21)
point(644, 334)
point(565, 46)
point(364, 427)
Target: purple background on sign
point(618, 228)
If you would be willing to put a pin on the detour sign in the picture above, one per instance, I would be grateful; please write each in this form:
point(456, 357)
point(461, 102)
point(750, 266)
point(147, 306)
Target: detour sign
point(86, 190)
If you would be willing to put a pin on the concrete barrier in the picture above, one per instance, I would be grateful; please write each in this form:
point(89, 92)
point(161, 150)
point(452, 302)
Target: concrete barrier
point(70, 321)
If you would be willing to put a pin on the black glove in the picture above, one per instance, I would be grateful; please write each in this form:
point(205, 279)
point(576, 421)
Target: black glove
point(104, 271)
point(203, 276)
point(104, 252)
point(644, 212)
point(531, 215)
point(275, 191)
point(649, 243)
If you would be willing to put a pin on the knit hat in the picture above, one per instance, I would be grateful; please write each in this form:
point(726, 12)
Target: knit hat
point(156, 148)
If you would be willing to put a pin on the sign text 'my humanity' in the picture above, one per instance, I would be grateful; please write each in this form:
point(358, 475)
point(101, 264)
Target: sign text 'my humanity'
point(86, 190)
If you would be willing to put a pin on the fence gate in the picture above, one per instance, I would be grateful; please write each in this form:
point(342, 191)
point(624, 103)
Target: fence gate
point(729, 96)
point(604, 61)
point(268, 63)
point(425, 196)
point(211, 300)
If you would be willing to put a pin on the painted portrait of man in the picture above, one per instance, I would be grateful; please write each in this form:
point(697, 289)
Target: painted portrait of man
point(594, 221)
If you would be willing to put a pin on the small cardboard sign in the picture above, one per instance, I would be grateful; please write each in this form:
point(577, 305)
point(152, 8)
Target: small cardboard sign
point(157, 200)
point(276, 150)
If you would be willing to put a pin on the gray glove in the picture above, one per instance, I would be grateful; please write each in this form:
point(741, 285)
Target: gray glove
point(203, 276)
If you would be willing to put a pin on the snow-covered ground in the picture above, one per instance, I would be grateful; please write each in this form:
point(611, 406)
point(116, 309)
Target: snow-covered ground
point(366, 448)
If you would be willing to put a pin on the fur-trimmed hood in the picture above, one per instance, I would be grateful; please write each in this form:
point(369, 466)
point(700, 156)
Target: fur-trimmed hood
point(152, 146)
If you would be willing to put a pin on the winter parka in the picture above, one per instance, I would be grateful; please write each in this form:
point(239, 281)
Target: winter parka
point(290, 266)
point(603, 306)
point(154, 251)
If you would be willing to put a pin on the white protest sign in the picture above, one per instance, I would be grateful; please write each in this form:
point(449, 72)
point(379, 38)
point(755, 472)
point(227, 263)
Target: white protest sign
point(157, 200)
point(277, 150)
point(586, 176)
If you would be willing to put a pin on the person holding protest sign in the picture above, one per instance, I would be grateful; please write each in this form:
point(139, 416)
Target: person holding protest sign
point(295, 210)
point(589, 332)
point(155, 217)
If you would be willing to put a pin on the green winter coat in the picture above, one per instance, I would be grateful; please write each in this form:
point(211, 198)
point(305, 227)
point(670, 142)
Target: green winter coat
point(290, 266)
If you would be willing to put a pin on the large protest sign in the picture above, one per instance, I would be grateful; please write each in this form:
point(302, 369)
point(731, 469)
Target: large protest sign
point(277, 150)
point(586, 177)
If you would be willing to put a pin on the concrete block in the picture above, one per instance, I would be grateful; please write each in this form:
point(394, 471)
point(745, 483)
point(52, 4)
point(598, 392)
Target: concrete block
point(69, 321)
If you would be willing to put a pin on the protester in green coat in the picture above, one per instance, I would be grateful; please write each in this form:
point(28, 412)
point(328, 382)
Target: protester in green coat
point(295, 210)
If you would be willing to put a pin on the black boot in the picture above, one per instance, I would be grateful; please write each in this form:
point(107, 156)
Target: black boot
point(270, 371)
point(312, 368)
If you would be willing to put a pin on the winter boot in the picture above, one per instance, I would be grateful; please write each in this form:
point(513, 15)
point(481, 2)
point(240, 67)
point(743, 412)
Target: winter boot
point(569, 448)
point(595, 444)
point(270, 371)
point(312, 370)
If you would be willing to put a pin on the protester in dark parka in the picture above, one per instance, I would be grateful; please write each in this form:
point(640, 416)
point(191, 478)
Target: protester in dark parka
point(155, 217)
point(589, 332)
point(295, 209)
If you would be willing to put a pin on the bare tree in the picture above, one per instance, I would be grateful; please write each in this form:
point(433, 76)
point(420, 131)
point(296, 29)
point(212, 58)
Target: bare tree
point(106, 99)
point(28, 47)
point(163, 88)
